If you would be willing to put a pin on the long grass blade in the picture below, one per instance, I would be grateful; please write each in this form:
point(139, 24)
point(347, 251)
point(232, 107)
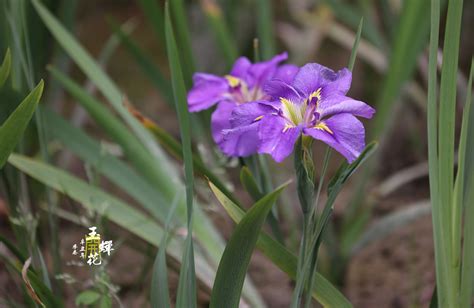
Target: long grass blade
point(43, 291)
point(93, 71)
point(12, 129)
point(117, 211)
point(432, 126)
point(265, 29)
point(157, 175)
point(236, 258)
point(133, 149)
point(187, 281)
point(159, 292)
point(467, 192)
point(5, 67)
point(325, 293)
point(119, 173)
point(355, 47)
point(446, 130)
point(177, 10)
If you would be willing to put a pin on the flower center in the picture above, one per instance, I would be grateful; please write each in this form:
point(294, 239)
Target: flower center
point(240, 91)
point(304, 112)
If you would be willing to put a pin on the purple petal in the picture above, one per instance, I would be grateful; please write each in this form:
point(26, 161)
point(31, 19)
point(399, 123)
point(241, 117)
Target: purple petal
point(220, 120)
point(286, 73)
point(337, 103)
point(277, 88)
point(240, 141)
point(277, 140)
point(340, 84)
point(241, 67)
point(240, 137)
point(260, 72)
point(207, 91)
point(249, 113)
point(347, 135)
point(313, 76)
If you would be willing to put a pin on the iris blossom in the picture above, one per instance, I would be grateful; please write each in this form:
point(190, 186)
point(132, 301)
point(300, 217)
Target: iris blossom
point(244, 84)
point(314, 104)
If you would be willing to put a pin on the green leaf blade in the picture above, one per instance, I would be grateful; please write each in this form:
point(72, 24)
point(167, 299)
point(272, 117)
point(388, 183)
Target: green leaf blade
point(466, 195)
point(187, 296)
point(12, 129)
point(236, 258)
point(325, 293)
point(5, 67)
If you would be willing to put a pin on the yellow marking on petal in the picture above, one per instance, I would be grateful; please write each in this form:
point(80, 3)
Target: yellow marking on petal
point(316, 94)
point(322, 126)
point(287, 127)
point(258, 118)
point(233, 81)
point(291, 111)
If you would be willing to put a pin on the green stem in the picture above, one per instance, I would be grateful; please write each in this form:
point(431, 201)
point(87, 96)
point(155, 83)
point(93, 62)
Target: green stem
point(300, 273)
point(304, 169)
point(314, 249)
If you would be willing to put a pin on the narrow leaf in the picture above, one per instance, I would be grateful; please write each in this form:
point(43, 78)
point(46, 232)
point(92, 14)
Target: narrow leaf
point(236, 258)
point(159, 282)
point(178, 12)
point(118, 172)
point(187, 281)
point(134, 150)
point(355, 46)
point(5, 67)
point(12, 129)
point(467, 192)
point(249, 183)
point(265, 28)
point(41, 289)
point(448, 289)
point(325, 292)
point(117, 211)
point(93, 71)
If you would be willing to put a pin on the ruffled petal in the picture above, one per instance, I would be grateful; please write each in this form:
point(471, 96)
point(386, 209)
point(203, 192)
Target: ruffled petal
point(337, 103)
point(286, 73)
point(313, 76)
point(241, 137)
point(276, 89)
point(240, 141)
point(241, 67)
point(249, 113)
point(220, 120)
point(345, 133)
point(275, 139)
point(207, 91)
point(261, 72)
point(340, 84)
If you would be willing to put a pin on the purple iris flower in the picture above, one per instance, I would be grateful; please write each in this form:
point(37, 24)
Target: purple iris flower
point(244, 84)
point(313, 104)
